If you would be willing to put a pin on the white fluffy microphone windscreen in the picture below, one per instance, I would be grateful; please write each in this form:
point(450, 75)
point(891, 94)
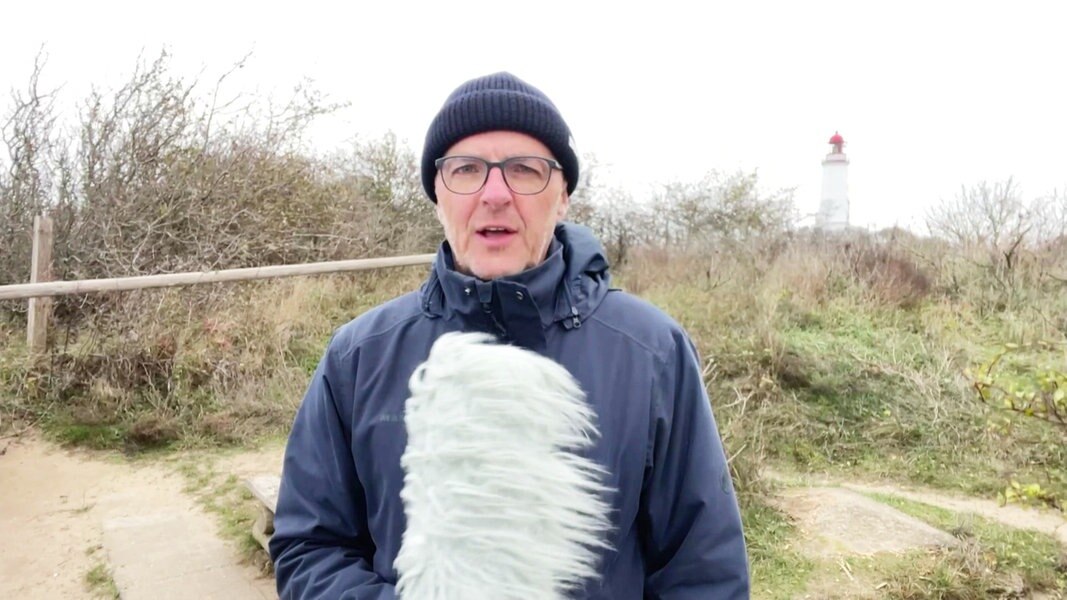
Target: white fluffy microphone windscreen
point(499, 502)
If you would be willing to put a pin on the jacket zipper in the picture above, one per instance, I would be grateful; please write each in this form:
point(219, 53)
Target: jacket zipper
point(492, 320)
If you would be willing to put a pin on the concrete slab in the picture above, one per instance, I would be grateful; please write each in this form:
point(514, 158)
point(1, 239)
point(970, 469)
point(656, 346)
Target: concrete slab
point(64, 513)
point(830, 518)
point(172, 555)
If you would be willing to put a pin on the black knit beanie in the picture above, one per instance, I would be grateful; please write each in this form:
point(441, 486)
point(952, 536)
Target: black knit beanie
point(498, 102)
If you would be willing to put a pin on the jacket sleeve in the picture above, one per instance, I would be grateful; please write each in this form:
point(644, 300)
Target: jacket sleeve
point(690, 522)
point(321, 546)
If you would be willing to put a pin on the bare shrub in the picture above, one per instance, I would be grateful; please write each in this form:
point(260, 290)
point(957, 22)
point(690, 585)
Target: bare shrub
point(991, 216)
point(164, 185)
point(1050, 217)
point(155, 179)
point(1014, 244)
point(34, 165)
point(718, 213)
point(390, 209)
point(619, 221)
point(721, 208)
point(158, 180)
point(1051, 220)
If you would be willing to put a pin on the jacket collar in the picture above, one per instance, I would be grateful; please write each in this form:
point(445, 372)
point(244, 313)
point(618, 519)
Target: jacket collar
point(536, 288)
point(566, 288)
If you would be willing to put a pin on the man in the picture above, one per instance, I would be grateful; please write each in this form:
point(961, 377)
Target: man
point(499, 165)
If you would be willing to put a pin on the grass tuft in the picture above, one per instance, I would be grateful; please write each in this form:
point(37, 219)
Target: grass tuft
point(100, 583)
point(991, 561)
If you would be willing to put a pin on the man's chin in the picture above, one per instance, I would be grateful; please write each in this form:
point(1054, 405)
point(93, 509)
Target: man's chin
point(497, 269)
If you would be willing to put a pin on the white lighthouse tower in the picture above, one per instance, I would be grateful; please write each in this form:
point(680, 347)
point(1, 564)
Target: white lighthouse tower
point(833, 209)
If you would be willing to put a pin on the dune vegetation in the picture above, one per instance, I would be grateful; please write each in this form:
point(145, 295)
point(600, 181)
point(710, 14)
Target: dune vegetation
point(937, 359)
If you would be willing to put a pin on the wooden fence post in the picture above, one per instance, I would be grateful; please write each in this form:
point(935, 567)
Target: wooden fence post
point(40, 270)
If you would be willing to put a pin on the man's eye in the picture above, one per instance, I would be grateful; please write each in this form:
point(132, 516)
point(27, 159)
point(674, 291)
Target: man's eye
point(523, 168)
point(467, 169)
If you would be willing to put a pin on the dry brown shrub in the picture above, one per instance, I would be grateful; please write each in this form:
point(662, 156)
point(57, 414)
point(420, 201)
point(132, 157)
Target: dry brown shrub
point(153, 430)
point(881, 270)
point(158, 177)
point(221, 366)
point(891, 277)
point(649, 266)
point(967, 572)
point(803, 273)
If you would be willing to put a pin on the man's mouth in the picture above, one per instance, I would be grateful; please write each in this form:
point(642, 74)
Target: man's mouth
point(495, 232)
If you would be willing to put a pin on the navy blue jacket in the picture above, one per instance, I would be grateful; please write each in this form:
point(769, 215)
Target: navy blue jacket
point(677, 530)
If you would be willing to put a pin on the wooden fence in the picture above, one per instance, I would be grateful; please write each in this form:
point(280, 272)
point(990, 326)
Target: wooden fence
point(41, 288)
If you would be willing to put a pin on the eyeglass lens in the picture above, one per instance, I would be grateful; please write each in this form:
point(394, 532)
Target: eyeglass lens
point(523, 174)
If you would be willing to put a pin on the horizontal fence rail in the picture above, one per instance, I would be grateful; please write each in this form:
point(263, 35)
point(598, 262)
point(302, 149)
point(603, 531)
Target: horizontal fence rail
point(118, 284)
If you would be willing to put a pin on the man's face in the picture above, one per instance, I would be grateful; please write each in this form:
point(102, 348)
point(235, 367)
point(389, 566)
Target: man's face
point(495, 232)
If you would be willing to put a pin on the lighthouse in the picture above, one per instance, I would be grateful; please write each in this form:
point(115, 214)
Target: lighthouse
point(833, 209)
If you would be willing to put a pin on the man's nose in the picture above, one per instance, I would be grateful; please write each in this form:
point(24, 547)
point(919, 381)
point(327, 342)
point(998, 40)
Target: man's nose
point(496, 191)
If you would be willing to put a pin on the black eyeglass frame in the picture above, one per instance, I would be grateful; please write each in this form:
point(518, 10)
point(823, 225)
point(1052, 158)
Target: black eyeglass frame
point(553, 165)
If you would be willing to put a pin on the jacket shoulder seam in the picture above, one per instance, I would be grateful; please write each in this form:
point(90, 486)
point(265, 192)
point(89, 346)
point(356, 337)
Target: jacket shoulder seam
point(659, 354)
point(362, 338)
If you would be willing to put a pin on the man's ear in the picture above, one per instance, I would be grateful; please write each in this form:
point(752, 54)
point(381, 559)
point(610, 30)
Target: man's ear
point(564, 206)
point(437, 210)
point(437, 203)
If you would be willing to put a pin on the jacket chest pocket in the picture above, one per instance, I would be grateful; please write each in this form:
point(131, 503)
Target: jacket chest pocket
point(377, 457)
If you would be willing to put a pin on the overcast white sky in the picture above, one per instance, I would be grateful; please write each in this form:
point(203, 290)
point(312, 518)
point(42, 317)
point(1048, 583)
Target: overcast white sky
point(928, 95)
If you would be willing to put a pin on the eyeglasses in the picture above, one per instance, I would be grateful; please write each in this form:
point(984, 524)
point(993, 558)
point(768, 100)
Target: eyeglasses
point(525, 175)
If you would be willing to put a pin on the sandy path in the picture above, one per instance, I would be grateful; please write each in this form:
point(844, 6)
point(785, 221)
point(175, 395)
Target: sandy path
point(54, 503)
point(1043, 520)
point(48, 537)
point(1021, 517)
point(837, 522)
point(247, 463)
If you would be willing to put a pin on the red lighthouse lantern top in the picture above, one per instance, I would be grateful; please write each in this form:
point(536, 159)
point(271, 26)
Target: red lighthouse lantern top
point(838, 142)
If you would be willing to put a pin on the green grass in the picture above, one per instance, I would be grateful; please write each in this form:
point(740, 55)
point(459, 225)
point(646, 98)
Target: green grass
point(859, 390)
point(991, 559)
point(100, 583)
point(807, 370)
point(778, 570)
point(232, 504)
point(95, 436)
